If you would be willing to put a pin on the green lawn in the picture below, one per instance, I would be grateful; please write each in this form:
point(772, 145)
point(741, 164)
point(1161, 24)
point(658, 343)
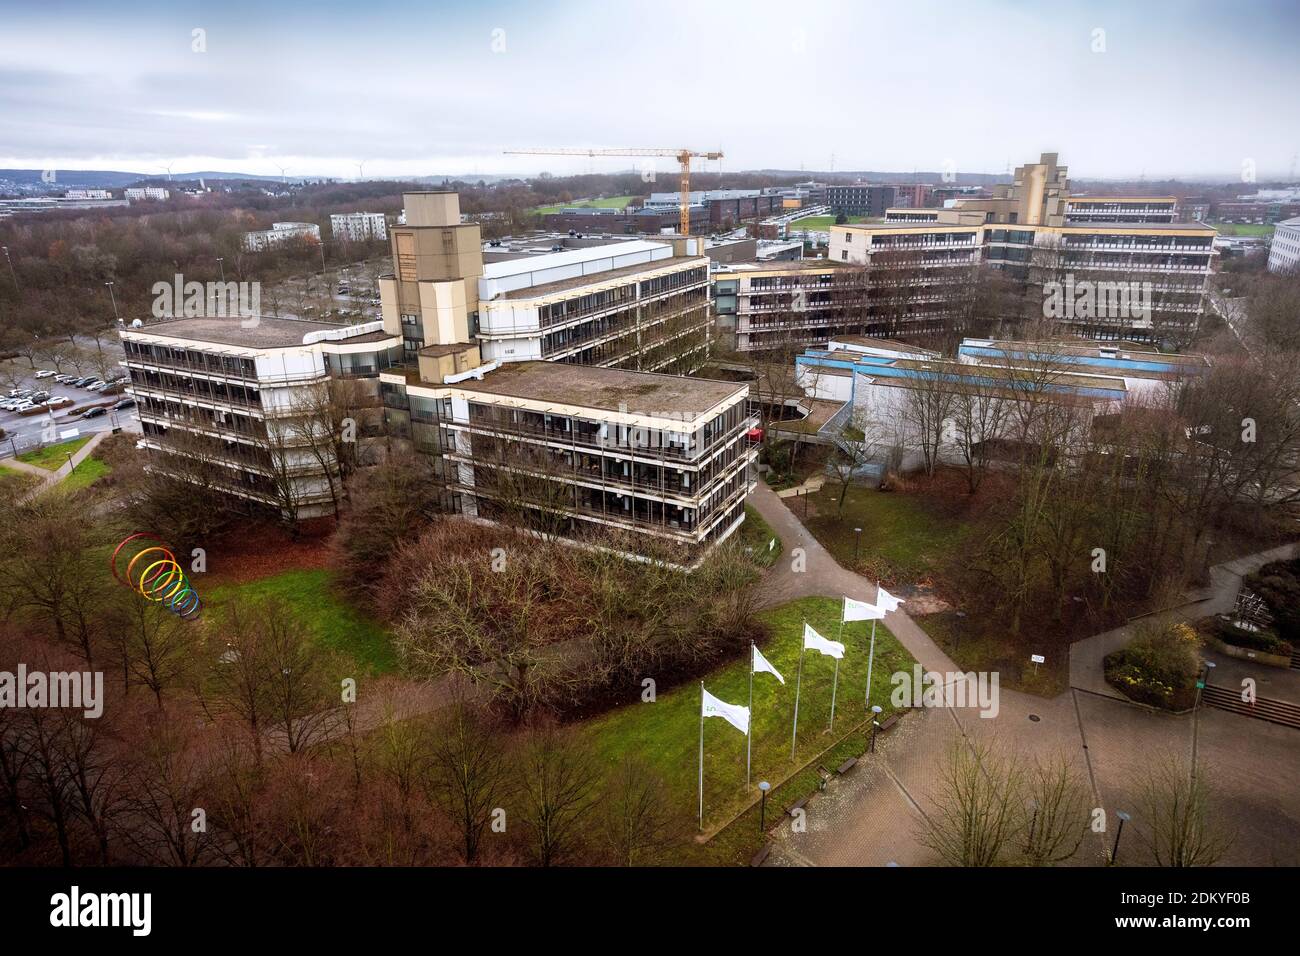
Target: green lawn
point(53, 457)
point(980, 644)
point(610, 202)
point(86, 474)
point(758, 534)
point(320, 608)
point(1241, 229)
point(666, 733)
point(903, 535)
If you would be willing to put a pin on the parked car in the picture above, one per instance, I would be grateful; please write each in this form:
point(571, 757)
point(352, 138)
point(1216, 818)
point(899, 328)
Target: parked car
point(83, 381)
point(94, 412)
point(39, 396)
point(24, 406)
point(58, 401)
point(45, 373)
point(125, 403)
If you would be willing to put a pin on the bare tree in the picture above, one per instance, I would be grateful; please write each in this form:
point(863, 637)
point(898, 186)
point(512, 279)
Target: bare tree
point(975, 814)
point(469, 773)
point(1057, 813)
point(638, 822)
point(559, 786)
point(1181, 825)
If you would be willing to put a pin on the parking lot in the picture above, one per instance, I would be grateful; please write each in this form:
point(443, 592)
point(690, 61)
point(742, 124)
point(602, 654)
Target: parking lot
point(24, 432)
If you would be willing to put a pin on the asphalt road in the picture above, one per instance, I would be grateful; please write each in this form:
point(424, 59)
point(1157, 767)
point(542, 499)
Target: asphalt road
point(24, 431)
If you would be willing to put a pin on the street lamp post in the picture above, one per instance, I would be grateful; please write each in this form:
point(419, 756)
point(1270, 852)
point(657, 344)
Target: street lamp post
point(1118, 830)
point(221, 266)
point(857, 540)
point(12, 273)
point(763, 787)
point(113, 297)
point(875, 724)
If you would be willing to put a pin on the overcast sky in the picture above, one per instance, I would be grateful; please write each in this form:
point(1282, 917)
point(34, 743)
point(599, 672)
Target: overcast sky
point(408, 88)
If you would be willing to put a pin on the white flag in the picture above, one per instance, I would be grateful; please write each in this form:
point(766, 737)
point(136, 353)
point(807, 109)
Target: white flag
point(733, 714)
point(761, 664)
point(886, 601)
point(815, 642)
point(861, 611)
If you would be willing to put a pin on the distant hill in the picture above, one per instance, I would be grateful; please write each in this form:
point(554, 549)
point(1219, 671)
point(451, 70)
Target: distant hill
point(113, 179)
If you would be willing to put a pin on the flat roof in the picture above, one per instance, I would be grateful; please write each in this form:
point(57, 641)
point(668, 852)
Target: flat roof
point(606, 389)
point(594, 278)
point(1083, 350)
point(513, 267)
point(269, 333)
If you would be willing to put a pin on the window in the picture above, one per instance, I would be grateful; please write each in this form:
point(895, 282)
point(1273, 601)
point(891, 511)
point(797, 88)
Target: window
point(844, 254)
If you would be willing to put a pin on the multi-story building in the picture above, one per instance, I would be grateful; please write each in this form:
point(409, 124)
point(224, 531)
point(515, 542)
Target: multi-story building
point(279, 234)
point(572, 451)
point(136, 194)
point(246, 398)
point(632, 304)
point(860, 199)
point(88, 194)
point(720, 208)
point(358, 226)
point(1284, 253)
point(545, 433)
point(1194, 208)
point(1082, 210)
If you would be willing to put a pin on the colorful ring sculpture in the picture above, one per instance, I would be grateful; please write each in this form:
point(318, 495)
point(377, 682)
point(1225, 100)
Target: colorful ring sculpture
point(154, 573)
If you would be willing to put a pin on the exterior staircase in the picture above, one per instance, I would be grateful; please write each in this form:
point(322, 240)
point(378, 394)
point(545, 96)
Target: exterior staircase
point(1264, 708)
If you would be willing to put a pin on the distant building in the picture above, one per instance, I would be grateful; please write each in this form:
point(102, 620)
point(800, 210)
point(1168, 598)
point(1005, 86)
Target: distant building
point(87, 194)
point(1194, 208)
point(139, 193)
point(358, 226)
point(1284, 254)
point(720, 208)
point(279, 234)
point(860, 199)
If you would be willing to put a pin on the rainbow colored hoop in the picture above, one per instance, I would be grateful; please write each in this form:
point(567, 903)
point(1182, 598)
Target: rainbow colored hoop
point(159, 578)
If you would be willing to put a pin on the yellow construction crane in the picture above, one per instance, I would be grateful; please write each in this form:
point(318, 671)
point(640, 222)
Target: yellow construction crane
point(683, 157)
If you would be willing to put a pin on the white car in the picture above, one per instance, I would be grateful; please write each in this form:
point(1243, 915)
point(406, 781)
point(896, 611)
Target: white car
point(58, 401)
point(97, 386)
point(45, 373)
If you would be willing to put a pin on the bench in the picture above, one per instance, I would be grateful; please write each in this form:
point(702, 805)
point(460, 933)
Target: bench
point(797, 805)
point(889, 722)
point(761, 855)
point(847, 765)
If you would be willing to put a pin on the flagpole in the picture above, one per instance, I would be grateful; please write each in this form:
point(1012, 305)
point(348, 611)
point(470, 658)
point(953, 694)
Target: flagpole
point(794, 734)
point(871, 656)
point(749, 737)
point(701, 755)
point(834, 687)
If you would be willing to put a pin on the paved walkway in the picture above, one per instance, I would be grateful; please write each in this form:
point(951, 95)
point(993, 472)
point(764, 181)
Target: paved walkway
point(874, 814)
point(50, 478)
point(822, 575)
point(1087, 655)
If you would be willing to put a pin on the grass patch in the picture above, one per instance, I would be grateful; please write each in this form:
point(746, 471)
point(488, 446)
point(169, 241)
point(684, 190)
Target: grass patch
point(1242, 228)
point(904, 537)
point(316, 605)
point(14, 483)
point(757, 534)
point(665, 734)
point(86, 474)
point(609, 202)
point(976, 644)
point(53, 457)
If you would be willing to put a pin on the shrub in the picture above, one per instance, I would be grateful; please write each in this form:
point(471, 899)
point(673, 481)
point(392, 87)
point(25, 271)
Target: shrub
point(1261, 640)
point(1278, 585)
point(1159, 667)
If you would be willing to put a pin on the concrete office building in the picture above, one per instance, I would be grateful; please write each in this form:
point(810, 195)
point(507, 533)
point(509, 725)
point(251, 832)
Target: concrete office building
point(238, 396)
point(860, 199)
point(1284, 252)
point(547, 436)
